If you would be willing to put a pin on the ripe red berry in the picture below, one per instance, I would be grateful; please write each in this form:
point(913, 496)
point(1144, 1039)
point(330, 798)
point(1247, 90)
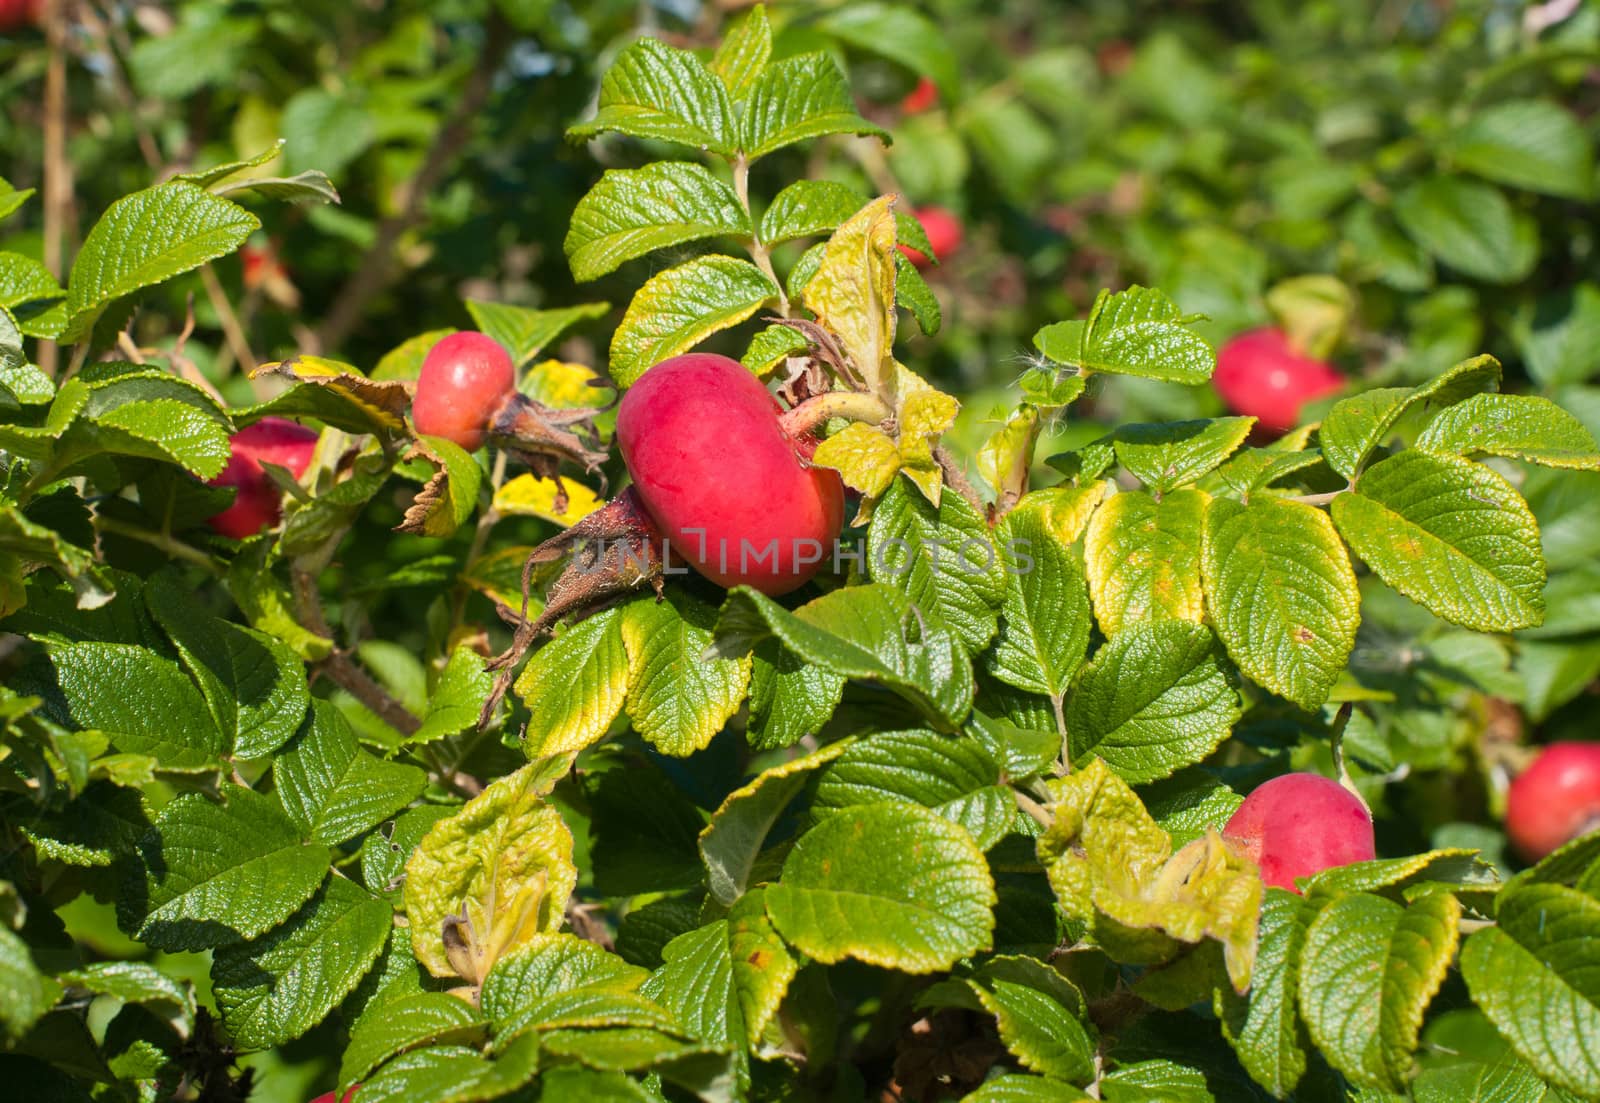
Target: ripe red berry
point(1555, 800)
point(944, 234)
point(464, 379)
point(1260, 374)
point(1300, 824)
point(19, 13)
point(258, 503)
point(924, 97)
point(732, 492)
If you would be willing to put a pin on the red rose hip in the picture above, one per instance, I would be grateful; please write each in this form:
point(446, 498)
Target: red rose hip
point(19, 13)
point(1300, 824)
point(924, 97)
point(1555, 800)
point(1262, 375)
point(732, 492)
point(464, 380)
point(258, 502)
point(944, 234)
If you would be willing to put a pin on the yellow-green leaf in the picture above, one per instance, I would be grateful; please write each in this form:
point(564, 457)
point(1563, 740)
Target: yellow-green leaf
point(852, 293)
point(494, 876)
point(1143, 559)
point(562, 500)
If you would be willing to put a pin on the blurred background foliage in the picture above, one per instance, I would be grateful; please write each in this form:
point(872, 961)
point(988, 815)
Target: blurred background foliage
point(1434, 157)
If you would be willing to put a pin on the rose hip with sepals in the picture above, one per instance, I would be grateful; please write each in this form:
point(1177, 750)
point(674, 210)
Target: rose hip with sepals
point(258, 501)
point(1300, 824)
point(731, 490)
point(465, 378)
point(1555, 800)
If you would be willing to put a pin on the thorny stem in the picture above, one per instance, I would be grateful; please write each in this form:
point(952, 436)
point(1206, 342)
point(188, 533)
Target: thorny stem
point(758, 248)
point(820, 409)
point(957, 478)
point(338, 666)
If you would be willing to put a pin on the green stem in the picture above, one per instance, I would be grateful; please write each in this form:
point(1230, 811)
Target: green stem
point(175, 548)
point(758, 248)
point(820, 409)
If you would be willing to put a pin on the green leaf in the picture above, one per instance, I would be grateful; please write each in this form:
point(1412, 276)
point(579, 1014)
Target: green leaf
point(1519, 427)
point(334, 790)
point(743, 53)
point(808, 208)
point(789, 698)
point(447, 500)
point(1264, 1026)
point(872, 633)
point(559, 980)
point(1172, 454)
point(504, 862)
point(524, 331)
point(1134, 332)
point(457, 697)
point(1534, 975)
point(161, 429)
point(1559, 335)
point(1157, 697)
point(589, 663)
point(1044, 619)
point(892, 885)
point(1469, 226)
point(903, 35)
point(911, 292)
point(460, 1074)
point(1012, 1088)
point(1456, 867)
point(1368, 971)
point(941, 557)
point(327, 129)
point(157, 710)
point(253, 685)
point(275, 989)
point(771, 346)
point(1282, 595)
point(146, 238)
point(427, 1018)
point(677, 309)
point(307, 186)
point(1358, 424)
point(1451, 535)
point(1041, 1016)
point(134, 982)
point(11, 200)
point(632, 212)
point(796, 99)
point(655, 91)
point(30, 292)
point(724, 981)
point(733, 839)
point(956, 778)
point(1142, 555)
point(216, 873)
point(25, 993)
point(677, 699)
point(1532, 144)
point(384, 853)
point(1189, 803)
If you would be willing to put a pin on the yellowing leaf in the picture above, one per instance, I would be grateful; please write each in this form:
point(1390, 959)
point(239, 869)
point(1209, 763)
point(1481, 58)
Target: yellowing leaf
point(852, 293)
point(865, 457)
point(562, 500)
point(562, 385)
point(1065, 510)
point(384, 401)
point(1006, 456)
point(924, 416)
point(1112, 865)
point(491, 877)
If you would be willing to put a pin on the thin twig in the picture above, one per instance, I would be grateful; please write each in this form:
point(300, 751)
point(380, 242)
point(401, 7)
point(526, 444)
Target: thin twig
point(957, 478)
point(339, 666)
point(377, 267)
point(57, 169)
point(238, 344)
